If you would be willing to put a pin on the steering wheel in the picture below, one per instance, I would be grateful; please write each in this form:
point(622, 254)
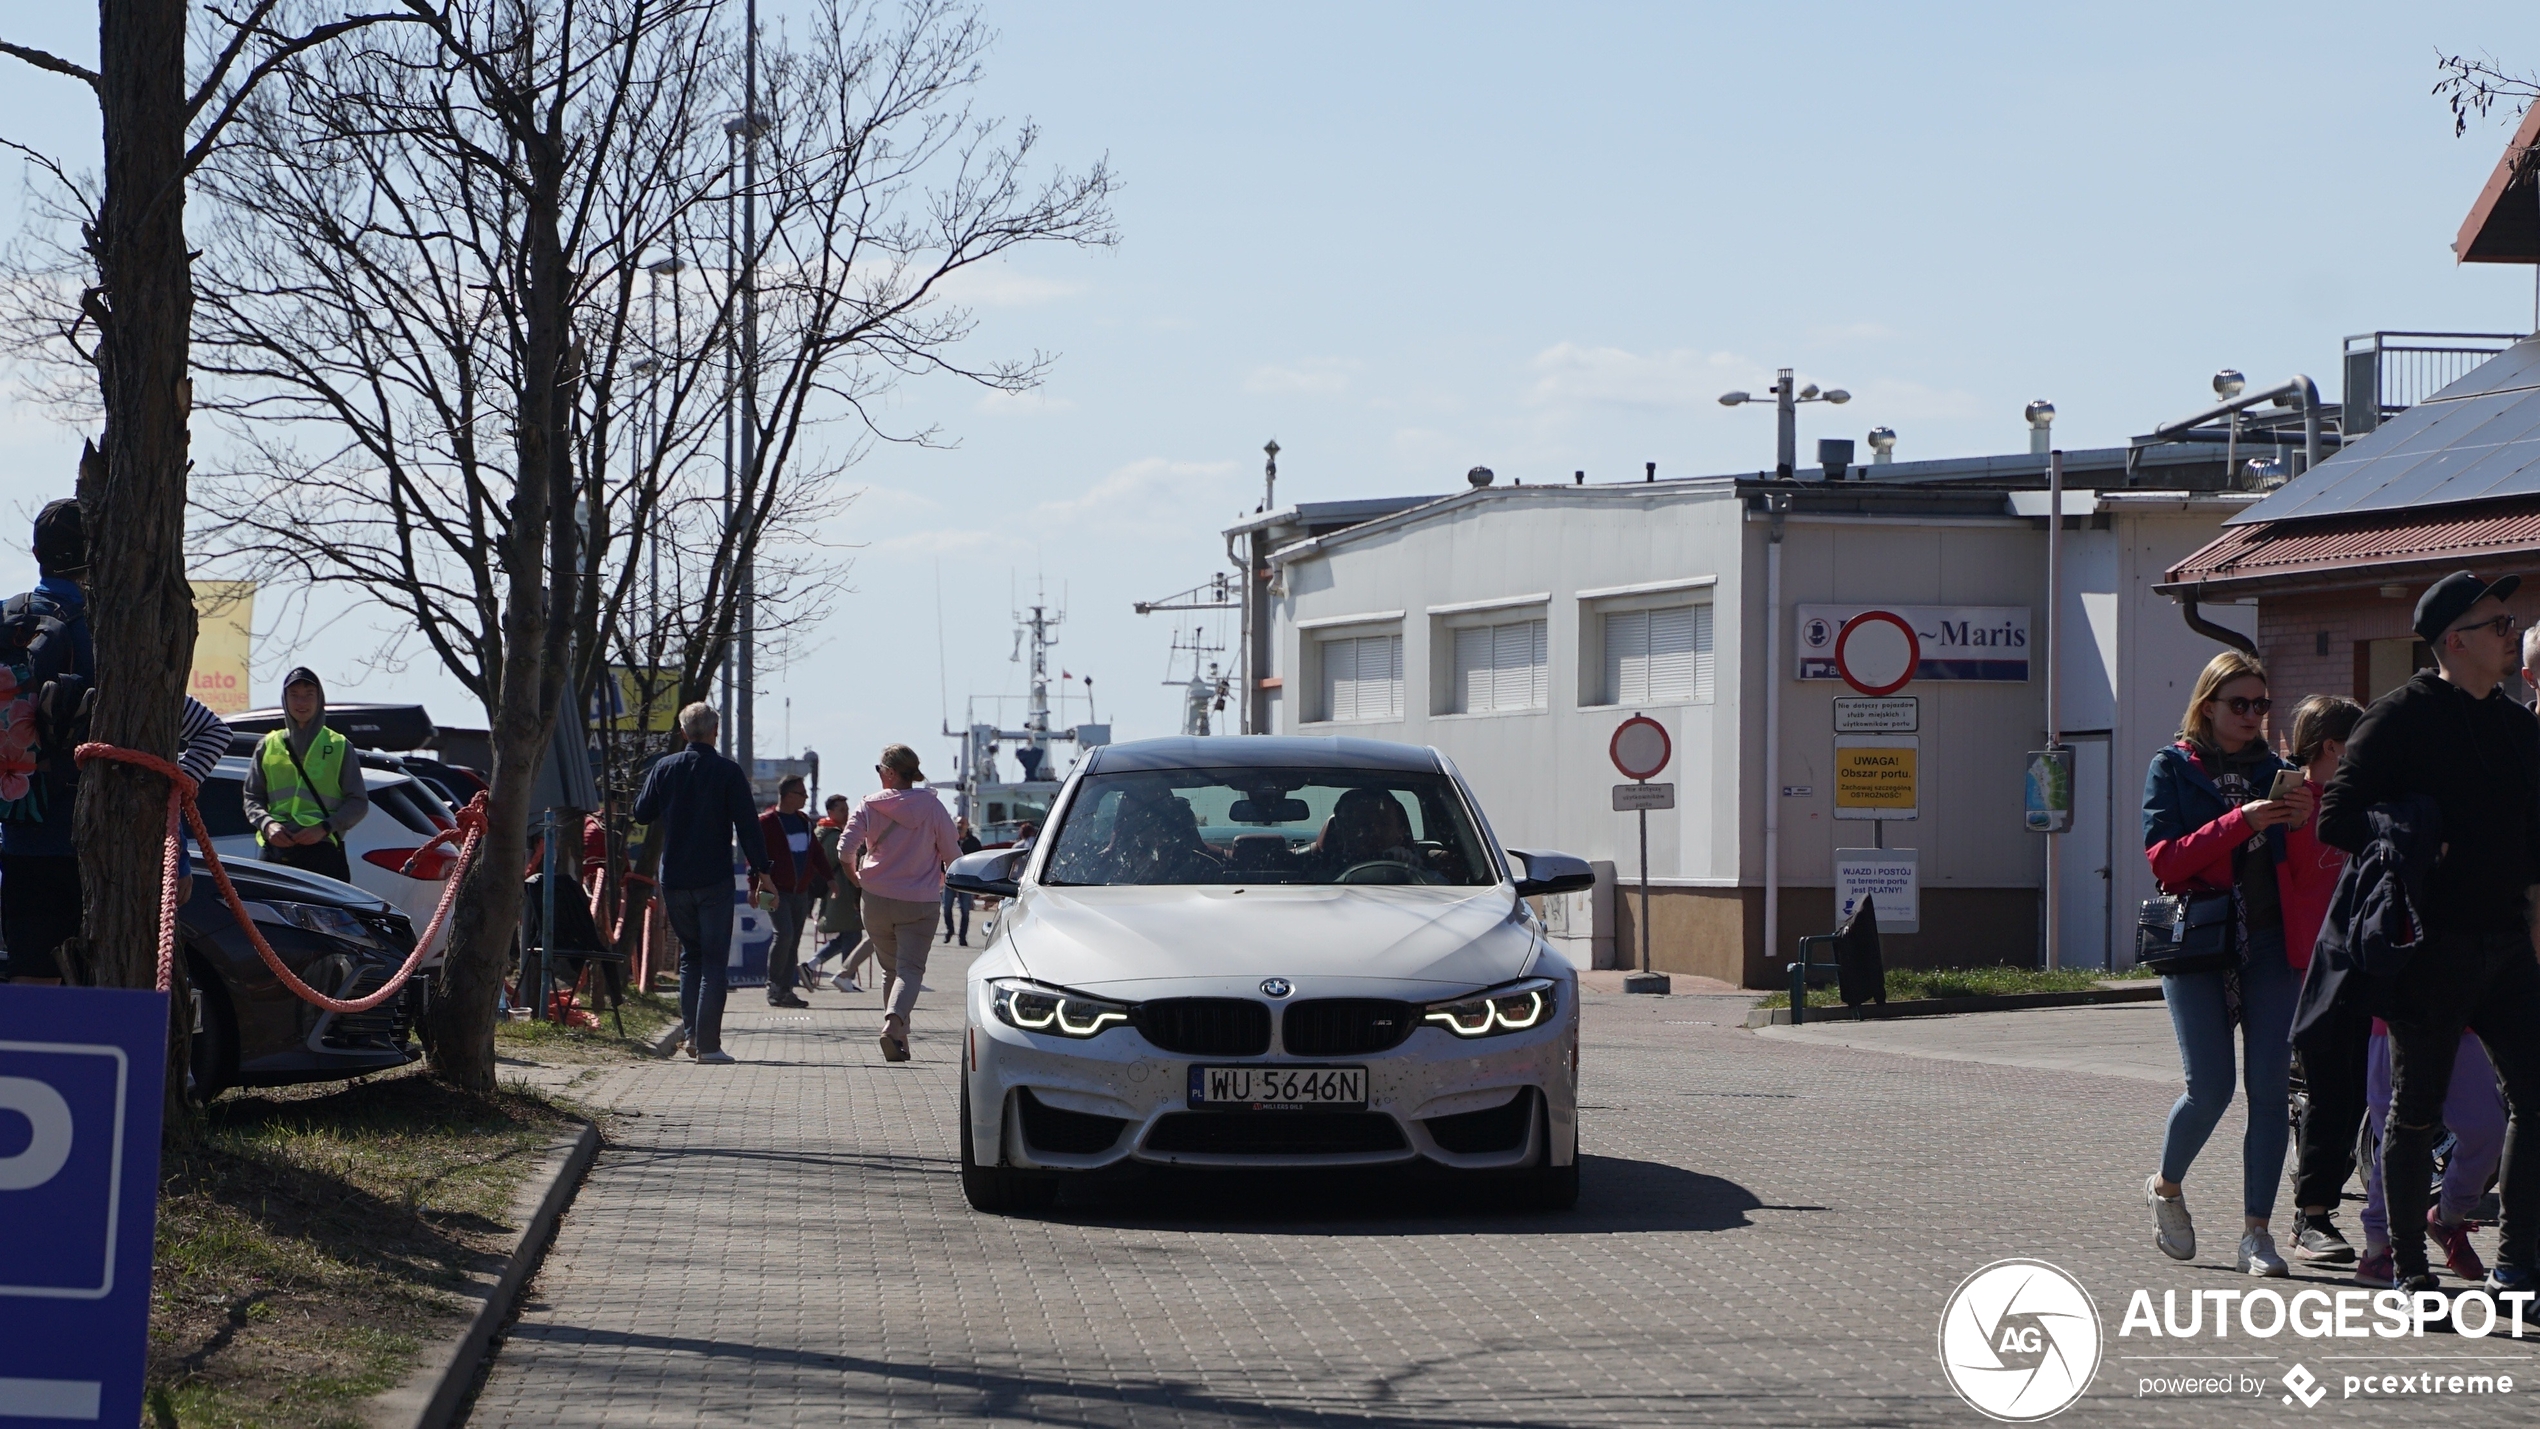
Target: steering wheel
point(1383, 870)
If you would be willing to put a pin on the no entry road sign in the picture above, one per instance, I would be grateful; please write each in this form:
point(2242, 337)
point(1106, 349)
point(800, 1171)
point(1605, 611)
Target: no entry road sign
point(1876, 653)
point(1640, 747)
point(80, 1070)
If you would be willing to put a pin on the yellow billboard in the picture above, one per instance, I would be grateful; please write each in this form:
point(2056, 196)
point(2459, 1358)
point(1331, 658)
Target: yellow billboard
point(647, 699)
point(224, 613)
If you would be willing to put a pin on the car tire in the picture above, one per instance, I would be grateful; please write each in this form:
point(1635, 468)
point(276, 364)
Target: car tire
point(211, 1051)
point(993, 1189)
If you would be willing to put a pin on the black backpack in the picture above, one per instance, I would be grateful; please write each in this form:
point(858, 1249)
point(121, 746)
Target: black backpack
point(37, 640)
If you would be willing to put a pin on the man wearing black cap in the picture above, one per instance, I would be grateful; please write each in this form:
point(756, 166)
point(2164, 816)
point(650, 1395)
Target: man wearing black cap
point(2452, 735)
point(54, 663)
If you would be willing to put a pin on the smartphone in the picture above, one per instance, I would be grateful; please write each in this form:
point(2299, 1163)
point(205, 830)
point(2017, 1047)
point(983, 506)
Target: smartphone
point(2287, 782)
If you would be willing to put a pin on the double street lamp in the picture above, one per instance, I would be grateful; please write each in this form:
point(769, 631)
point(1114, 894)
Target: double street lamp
point(1786, 411)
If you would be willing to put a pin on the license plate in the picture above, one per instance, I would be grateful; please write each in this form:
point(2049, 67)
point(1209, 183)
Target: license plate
point(1278, 1088)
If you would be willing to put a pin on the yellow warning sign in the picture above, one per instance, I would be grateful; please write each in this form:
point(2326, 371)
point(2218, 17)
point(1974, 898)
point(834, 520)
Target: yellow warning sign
point(1874, 776)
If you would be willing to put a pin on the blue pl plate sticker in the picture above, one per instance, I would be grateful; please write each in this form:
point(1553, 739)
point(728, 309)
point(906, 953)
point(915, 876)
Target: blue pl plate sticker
point(80, 1073)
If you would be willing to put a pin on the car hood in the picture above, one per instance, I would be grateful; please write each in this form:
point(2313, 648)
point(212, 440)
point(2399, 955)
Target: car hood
point(1366, 940)
point(254, 878)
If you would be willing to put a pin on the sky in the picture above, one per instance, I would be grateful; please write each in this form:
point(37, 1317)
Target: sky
point(1404, 240)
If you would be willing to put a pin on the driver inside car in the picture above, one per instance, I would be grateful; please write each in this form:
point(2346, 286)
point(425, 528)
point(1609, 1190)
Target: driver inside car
point(1367, 826)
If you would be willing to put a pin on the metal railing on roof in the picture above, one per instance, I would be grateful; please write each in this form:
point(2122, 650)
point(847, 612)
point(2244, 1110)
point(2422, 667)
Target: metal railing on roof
point(2388, 372)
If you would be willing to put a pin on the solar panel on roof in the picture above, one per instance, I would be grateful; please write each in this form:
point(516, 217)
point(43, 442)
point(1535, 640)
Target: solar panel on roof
point(2476, 440)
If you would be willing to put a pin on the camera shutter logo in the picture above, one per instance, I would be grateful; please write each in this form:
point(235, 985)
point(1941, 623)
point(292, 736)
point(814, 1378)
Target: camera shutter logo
point(2019, 1341)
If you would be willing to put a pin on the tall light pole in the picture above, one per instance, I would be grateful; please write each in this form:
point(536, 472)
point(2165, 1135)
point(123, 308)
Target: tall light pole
point(1270, 476)
point(752, 125)
point(1786, 402)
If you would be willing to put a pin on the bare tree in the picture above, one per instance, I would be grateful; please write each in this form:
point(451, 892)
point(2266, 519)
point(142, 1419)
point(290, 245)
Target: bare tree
point(135, 306)
point(2475, 87)
point(429, 310)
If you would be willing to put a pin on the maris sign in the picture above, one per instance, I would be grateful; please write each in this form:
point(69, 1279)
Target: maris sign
point(1958, 642)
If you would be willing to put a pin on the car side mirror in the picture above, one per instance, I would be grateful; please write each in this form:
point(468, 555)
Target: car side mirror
point(1549, 872)
point(989, 872)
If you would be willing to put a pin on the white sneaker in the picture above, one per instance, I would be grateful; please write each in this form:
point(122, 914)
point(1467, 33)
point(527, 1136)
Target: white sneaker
point(2177, 1229)
point(2258, 1257)
point(844, 983)
point(721, 1058)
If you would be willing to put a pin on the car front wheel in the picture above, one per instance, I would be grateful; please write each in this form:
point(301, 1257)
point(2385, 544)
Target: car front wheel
point(994, 1189)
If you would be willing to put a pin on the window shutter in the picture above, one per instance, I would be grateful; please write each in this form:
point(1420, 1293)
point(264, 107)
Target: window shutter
point(1671, 653)
point(1391, 648)
point(1472, 670)
point(1702, 652)
point(1627, 657)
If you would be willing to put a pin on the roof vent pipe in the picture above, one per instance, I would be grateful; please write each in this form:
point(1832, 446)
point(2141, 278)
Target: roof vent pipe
point(1882, 445)
point(1649, 471)
point(1835, 455)
point(1480, 476)
point(2041, 427)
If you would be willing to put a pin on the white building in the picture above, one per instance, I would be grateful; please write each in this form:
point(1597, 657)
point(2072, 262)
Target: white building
point(1514, 627)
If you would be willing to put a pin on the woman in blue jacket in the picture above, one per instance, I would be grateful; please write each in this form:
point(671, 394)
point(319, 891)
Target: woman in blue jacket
point(2209, 827)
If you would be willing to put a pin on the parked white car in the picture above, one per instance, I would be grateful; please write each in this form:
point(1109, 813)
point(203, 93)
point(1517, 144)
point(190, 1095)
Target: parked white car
point(1268, 952)
point(404, 812)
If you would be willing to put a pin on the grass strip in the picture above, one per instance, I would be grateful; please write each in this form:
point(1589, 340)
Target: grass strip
point(1913, 984)
point(647, 1016)
point(309, 1242)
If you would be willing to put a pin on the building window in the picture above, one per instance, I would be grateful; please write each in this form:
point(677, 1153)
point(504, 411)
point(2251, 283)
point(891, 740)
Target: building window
point(1362, 678)
point(1653, 655)
point(1501, 667)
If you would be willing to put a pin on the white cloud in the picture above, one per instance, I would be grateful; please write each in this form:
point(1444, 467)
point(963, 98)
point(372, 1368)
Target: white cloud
point(1890, 399)
point(1315, 376)
point(1137, 490)
point(1568, 374)
point(952, 542)
point(1021, 404)
point(1848, 334)
point(998, 285)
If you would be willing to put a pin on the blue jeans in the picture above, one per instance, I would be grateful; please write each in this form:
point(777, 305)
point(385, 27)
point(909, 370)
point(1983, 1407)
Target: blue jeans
point(2268, 988)
point(701, 919)
point(954, 900)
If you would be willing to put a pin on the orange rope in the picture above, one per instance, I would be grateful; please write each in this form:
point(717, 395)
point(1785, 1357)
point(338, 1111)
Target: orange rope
point(181, 789)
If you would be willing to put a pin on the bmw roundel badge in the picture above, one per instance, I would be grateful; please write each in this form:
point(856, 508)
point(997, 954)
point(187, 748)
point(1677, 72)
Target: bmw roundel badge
point(1276, 987)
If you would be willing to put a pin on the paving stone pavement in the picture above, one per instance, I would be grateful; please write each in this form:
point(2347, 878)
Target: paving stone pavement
point(1769, 1232)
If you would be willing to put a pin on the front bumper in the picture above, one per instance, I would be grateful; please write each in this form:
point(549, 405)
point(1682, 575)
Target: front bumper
point(1478, 1104)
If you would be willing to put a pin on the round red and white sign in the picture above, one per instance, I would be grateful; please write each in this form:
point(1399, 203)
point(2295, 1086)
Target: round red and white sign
point(1877, 652)
point(1640, 747)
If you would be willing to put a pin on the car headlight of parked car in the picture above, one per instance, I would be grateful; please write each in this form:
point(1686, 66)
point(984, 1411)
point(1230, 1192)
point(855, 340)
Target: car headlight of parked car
point(316, 918)
point(1035, 1008)
point(1513, 1008)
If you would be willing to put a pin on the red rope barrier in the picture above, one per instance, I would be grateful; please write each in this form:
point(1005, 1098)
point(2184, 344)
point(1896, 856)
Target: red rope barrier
point(181, 789)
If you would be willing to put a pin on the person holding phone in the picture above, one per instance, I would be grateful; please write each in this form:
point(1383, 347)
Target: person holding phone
point(2214, 822)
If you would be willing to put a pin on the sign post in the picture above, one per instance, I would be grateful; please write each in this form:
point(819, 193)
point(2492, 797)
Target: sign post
point(83, 1069)
point(1639, 749)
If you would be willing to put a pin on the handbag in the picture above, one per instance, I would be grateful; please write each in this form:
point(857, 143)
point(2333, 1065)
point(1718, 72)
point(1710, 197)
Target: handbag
point(2179, 933)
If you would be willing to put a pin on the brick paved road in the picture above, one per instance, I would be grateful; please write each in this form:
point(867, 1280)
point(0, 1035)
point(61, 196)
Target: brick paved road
point(1769, 1230)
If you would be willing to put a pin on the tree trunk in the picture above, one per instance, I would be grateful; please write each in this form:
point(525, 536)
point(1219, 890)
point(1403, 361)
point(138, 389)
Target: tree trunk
point(140, 608)
point(524, 706)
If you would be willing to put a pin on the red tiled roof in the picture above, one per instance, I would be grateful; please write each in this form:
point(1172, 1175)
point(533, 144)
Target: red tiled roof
point(2275, 551)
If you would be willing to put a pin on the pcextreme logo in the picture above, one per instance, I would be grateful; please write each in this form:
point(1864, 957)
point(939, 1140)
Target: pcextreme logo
point(2019, 1341)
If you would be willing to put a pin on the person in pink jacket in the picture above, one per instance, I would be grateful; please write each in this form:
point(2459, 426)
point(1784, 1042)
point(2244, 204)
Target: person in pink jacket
point(905, 837)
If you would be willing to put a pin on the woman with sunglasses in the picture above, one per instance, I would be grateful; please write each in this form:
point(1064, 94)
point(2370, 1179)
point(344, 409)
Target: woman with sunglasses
point(2209, 826)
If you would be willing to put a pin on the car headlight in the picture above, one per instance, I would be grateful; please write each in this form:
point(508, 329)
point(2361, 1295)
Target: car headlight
point(316, 918)
point(1514, 1008)
point(1035, 1008)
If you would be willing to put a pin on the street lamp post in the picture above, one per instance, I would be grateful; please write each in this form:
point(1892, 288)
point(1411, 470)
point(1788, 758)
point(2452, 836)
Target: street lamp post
point(1786, 402)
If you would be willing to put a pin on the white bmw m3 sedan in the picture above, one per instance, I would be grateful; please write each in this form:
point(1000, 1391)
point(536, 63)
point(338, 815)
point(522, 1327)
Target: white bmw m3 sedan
point(1249, 952)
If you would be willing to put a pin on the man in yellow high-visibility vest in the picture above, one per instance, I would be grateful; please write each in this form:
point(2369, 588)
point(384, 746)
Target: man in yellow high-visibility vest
point(304, 791)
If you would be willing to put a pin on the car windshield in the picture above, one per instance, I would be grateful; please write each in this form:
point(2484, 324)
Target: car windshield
point(1268, 826)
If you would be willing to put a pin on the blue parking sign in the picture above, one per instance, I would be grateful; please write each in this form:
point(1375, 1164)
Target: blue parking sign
point(80, 1072)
